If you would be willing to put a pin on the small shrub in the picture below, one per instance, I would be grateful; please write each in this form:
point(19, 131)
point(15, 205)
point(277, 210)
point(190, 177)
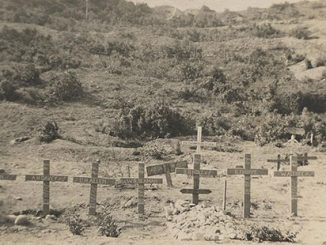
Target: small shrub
point(75, 224)
point(265, 31)
point(321, 61)
point(157, 120)
point(67, 87)
point(271, 129)
point(107, 226)
point(49, 132)
point(300, 33)
point(308, 64)
point(8, 91)
point(265, 233)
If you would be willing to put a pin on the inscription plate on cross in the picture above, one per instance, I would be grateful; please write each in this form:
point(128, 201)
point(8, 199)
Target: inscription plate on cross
point(165, 168)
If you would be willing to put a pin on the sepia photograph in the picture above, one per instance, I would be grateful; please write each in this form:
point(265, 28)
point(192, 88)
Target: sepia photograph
point(162, 122)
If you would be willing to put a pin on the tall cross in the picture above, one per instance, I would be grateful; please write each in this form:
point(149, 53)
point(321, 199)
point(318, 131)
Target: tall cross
point(199, 142)
point(167, 169)
point(93, 181)
point(247, 172)
point(196, 173)
point(141, 181)
point(294, 174)
point(46, 178)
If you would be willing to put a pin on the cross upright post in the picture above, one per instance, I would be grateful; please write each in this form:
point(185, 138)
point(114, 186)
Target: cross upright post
point(247, 172)
point(46, 178)
point(141, 190)
point(94, 181)
point(199, 144)
point(196, 173)
point(140, 182)
point(294, 174)
point(199, 141)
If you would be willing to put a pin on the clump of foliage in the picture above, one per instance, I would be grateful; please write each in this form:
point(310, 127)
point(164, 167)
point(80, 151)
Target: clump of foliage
point(321, 61)
point(49, 132)
point(107, 225)
point(67, 86)
point(157, 120)
point(15, 77)
point(265, 30)
point(76, 226)
point(272, 128)
point(301, 32)
point(265, 233)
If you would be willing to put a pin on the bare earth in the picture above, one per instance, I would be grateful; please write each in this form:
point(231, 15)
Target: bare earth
point(26, 158)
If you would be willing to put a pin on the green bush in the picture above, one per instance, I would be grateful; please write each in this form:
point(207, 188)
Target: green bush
point(157, 120)
point(67, 86)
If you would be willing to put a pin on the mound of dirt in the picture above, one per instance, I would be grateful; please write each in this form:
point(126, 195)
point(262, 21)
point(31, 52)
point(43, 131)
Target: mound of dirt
point(213, 224)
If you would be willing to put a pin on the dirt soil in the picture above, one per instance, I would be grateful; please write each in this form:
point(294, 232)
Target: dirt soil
point(26, 158)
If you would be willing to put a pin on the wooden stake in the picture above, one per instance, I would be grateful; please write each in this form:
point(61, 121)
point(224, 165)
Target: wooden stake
point(199, 134)
point(294, 186)
point(224, 196)
point(141, 190)
point(93, 191)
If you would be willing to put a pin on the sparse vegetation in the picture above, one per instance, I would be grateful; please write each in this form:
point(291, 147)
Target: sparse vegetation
point(265, 233)
point(107, 225)
point(157, 120)
point(67, 86)
point(76, 225)
point(49, 132)
point(301, 32)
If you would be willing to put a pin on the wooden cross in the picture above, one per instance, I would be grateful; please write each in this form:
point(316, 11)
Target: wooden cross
point(166, 168)
point(141, 181)
point(278, 161)
point(302, 160)
point(199, 142)
point(93, 181)
point(247, 171)
point(196, 173)
point(294, 174)
point(46, 178)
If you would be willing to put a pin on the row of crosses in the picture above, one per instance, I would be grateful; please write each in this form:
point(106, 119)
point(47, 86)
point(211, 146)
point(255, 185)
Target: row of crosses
point(94, 181)
point(178, 168)
point(247, 172)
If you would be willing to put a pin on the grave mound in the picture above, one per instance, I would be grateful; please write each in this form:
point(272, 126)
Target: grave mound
point(187, 222)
